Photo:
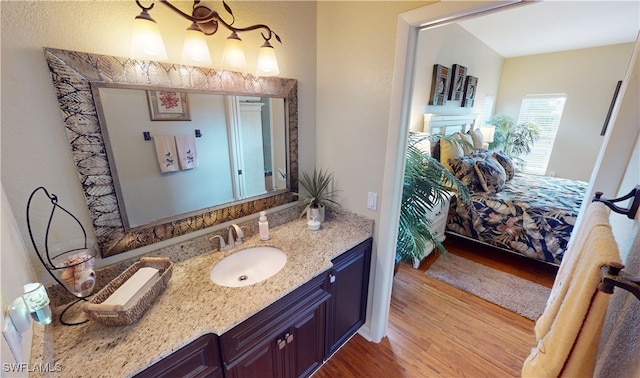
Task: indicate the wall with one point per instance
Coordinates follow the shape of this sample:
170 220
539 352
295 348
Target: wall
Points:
16 272
619 344
588 77
449 45
35 150
356 41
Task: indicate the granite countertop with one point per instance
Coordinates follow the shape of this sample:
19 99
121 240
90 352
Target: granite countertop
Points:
192 305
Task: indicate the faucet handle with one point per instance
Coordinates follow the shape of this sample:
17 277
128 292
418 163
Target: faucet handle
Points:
222 245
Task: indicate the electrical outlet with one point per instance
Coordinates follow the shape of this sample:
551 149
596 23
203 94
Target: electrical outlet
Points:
13 338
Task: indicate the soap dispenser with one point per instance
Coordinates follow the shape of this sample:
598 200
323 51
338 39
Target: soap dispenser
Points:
263 226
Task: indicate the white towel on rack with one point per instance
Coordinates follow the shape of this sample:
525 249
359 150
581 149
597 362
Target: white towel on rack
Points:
187 153
166 153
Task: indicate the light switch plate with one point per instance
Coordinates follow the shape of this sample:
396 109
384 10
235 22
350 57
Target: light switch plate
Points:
372 201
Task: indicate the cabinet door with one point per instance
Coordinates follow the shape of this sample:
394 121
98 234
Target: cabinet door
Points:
264 361
305 351
349 286
201 358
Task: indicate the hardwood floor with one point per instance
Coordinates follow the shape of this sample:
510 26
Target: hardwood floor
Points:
436 330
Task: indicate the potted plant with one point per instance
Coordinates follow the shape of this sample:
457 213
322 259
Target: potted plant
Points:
318 193
426 184
514 139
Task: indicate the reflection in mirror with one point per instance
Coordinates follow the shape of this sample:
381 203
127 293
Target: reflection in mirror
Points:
242 144
76 76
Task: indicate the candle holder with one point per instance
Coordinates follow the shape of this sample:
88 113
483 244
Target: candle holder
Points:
71 263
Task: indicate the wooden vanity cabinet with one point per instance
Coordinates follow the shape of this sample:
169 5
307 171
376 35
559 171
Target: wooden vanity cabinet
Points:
349 287
284 340
200 358
290 338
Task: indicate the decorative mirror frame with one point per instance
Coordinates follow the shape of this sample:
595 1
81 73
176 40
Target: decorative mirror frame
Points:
73 73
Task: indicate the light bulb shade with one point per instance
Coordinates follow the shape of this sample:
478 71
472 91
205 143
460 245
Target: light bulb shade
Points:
195 51
267 62
146 43
234 52
424 145
488 132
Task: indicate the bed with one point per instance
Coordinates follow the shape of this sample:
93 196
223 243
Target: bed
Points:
526 214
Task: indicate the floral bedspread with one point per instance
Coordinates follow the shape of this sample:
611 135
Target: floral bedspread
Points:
532 216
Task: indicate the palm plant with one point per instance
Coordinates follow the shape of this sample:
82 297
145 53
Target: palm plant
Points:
426 184
317 188
513 139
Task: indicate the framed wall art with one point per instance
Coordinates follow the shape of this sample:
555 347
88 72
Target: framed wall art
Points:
439 85
458 73
469 95
168 106
613 102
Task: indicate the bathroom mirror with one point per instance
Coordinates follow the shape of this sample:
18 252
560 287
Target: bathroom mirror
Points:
81 80
238 153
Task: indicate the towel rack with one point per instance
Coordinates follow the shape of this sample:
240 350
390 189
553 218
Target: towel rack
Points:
613 275
631 211
147 135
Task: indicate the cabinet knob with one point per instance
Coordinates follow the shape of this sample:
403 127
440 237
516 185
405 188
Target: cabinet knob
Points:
289 338
332 278
281 344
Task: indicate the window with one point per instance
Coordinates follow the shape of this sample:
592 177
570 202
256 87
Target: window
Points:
487 109
545 112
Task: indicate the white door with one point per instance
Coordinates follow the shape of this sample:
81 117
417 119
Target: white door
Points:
245 130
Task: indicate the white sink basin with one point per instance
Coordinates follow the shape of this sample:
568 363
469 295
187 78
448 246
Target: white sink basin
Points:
248 266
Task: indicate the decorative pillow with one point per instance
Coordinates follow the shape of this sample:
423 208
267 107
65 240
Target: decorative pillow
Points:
449 150
477 137
506 163
468 146
463 168
490 174
481 153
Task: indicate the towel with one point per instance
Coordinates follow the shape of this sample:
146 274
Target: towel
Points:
568 332
594 216
187 154
620 342
166 153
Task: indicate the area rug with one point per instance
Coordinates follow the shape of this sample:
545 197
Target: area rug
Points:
516 294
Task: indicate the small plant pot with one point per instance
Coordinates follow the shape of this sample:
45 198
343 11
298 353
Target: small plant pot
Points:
316 213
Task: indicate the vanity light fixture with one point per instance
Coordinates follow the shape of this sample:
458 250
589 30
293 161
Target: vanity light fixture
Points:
204 21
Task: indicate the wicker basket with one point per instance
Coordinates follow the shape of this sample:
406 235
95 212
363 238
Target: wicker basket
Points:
116 315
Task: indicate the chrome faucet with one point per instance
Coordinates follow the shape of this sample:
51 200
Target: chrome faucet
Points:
237 240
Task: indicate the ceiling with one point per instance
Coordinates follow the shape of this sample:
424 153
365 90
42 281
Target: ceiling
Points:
557 25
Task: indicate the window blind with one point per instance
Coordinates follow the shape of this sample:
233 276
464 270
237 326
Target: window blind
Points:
487 109
545 112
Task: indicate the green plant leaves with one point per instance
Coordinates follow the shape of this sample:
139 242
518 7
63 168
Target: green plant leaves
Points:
426 184
317 187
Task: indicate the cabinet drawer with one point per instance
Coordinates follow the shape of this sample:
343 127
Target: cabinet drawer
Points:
268 323
198 359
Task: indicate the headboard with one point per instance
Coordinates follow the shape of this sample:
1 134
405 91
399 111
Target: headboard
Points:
448 124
